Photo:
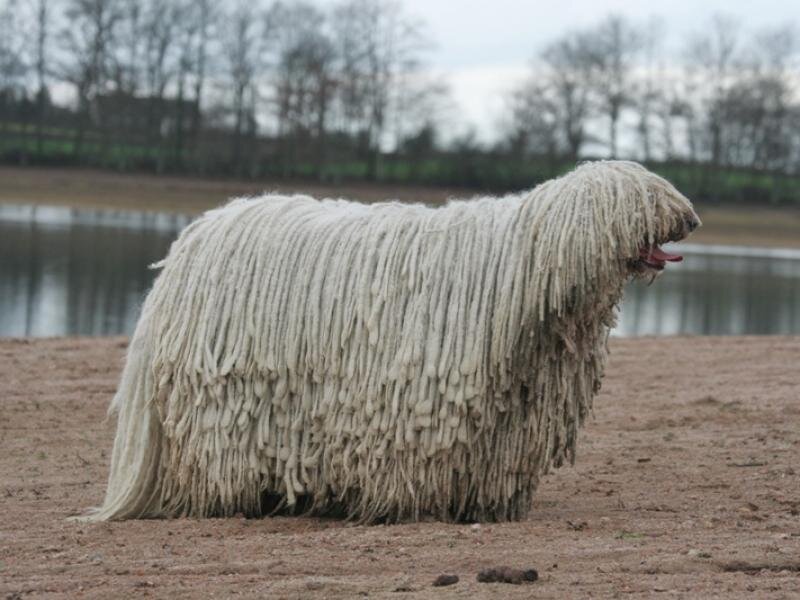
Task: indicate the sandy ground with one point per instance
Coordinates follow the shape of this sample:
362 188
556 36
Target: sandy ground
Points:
686 486
752 226
104 189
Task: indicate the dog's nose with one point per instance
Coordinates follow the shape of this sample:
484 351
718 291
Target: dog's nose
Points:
692 223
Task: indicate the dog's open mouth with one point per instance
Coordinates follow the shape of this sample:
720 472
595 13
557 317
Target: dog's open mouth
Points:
656 258
653 258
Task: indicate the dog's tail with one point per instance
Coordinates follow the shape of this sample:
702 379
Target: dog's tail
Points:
133 484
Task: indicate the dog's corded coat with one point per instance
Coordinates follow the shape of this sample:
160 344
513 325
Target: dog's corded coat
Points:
385 360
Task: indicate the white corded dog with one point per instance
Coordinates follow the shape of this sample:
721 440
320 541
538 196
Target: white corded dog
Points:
384 361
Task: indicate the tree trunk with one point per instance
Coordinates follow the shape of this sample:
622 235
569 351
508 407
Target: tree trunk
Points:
179 122
41 40
612 131
238 107
321 131
80 130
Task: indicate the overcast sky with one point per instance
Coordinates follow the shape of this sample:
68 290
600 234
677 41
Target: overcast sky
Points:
483 47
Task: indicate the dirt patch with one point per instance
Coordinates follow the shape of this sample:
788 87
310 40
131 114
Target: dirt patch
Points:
758 568
89 188
685 484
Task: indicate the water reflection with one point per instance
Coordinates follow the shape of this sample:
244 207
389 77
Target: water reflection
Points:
718 291
77 272
84 272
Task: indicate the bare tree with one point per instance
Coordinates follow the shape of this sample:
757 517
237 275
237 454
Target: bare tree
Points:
189 17
532 127
12 64
241 49
423 102
714 54
128 59
87 39
40 12
204 14
160 66
556 97
614 46
671 106
774 84
302 81
377 44
755 107
652 89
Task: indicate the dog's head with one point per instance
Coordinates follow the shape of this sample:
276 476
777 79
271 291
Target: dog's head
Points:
628 212
595 228
668 217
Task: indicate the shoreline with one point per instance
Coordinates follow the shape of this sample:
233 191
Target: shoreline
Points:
766 227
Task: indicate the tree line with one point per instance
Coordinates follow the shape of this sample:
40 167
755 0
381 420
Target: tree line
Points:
271 88
730 100
174 84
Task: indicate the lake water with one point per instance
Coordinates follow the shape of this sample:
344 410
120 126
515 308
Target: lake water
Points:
70 271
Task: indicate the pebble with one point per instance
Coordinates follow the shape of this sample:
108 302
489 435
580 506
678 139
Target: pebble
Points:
314 585
443 580
507 575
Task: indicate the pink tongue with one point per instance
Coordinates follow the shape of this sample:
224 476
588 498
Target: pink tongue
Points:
658 254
